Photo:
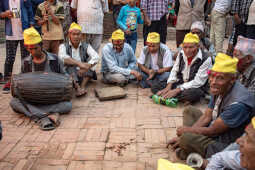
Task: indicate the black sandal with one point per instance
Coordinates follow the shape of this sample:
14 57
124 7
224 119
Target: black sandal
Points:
46 124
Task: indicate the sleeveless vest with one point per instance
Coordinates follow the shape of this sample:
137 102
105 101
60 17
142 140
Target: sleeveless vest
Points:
82 50
161 53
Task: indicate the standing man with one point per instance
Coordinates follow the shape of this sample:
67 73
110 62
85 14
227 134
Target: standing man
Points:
245 52
189 12
119 61
18 15
42 61
155 61
155 18
49 15
90 15
79 59
240 11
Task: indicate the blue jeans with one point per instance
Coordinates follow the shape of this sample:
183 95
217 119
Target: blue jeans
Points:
132 40
144 83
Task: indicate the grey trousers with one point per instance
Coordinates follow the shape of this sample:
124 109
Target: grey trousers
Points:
94 40
39 111
191 142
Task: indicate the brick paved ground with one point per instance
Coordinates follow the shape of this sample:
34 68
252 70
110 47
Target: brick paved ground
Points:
88 137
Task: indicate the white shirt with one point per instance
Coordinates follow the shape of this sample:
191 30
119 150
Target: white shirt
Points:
201 76
167 59
222 6
94 57
17 33
251 18
90 14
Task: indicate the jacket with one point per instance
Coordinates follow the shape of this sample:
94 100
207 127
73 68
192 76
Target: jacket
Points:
27 16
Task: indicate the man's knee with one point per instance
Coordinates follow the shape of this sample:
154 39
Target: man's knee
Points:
66 107
186 139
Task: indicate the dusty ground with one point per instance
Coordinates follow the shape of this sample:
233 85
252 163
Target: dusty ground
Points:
88 135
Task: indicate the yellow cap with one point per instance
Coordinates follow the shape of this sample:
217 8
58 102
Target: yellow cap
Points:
167 165
31 36
74 26
118 35
253 122
153 37
225 64
191 38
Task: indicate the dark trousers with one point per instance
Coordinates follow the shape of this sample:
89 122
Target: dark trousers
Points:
240 30
37 112
192 95
156 26
11 50
180 34
250 31
115 13
190 142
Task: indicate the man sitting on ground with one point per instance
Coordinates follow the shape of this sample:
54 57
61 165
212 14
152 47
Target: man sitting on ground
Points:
229 112
155 61
119 61
188 79
41 61
79 59
245 52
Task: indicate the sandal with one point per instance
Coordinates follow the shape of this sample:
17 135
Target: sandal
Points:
46 124
55 119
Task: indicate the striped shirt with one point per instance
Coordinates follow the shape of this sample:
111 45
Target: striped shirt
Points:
155 9
90 14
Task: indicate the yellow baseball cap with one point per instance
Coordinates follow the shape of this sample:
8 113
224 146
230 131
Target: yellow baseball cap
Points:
31 36
191 38
225 64
153 37
118 35
74 26
167 165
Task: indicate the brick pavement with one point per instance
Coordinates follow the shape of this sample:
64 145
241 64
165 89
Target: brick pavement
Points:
126 134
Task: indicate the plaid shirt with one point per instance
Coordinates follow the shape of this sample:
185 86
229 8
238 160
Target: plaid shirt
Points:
248 78
241 7
155 8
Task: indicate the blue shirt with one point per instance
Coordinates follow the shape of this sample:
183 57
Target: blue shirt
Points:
235 114
225 160
114 62
129 17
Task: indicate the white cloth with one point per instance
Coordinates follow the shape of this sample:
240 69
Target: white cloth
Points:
251 18
17 33
167 59
94 57
222 6
201 76
216 108
90 14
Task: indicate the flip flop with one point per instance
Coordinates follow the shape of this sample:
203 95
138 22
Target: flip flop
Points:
46 124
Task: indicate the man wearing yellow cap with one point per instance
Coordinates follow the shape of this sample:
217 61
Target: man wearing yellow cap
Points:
229 112
155 61
41 61
188 78
79 59
119 61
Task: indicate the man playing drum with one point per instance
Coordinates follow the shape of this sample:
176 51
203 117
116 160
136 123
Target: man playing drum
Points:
40 61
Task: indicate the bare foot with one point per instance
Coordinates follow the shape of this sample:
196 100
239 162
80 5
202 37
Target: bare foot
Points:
80 92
